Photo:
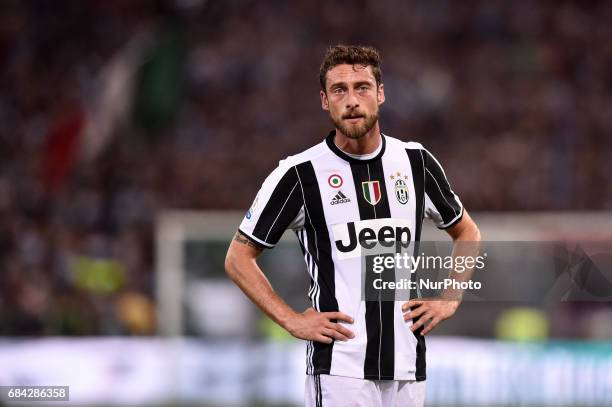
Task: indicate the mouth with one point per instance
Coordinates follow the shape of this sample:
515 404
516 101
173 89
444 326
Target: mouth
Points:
353 119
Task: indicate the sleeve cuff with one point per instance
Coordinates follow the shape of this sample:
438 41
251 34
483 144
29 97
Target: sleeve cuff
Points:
257 242
452 222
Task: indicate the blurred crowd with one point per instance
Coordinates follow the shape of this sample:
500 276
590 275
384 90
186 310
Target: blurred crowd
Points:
514 98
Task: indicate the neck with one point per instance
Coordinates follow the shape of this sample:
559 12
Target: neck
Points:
363 145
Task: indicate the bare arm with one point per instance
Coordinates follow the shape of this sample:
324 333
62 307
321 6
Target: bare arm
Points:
241 267
435 311
465 230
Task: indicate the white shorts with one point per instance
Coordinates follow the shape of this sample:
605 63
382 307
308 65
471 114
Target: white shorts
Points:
339 391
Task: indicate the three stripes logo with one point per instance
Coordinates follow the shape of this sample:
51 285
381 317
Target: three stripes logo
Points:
339 198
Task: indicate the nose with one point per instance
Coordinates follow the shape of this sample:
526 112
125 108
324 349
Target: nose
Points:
351 100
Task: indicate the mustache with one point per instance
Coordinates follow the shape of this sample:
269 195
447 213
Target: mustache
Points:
352 115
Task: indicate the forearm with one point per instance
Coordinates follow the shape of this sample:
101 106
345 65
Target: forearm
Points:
466 246
247 275
242 269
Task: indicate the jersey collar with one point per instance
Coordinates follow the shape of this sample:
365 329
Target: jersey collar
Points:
333 147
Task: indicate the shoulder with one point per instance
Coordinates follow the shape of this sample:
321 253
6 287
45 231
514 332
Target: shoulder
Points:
312 153
393 142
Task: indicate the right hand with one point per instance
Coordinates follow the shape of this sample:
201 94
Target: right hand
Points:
318 326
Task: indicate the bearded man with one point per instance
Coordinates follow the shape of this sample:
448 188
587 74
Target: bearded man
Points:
355 188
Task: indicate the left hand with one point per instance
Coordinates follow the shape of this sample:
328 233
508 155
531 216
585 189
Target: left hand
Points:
429 310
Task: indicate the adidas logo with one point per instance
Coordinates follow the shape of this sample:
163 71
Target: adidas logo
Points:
339 199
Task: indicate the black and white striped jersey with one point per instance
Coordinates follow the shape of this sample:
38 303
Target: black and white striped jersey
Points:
327 196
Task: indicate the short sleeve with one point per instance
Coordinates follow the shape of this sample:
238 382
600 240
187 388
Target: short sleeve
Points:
442 205
277 207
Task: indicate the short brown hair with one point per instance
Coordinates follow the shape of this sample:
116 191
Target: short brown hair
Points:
352 55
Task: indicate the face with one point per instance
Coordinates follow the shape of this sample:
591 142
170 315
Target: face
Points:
352 99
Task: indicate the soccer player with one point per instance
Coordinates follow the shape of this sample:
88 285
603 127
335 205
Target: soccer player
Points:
354 186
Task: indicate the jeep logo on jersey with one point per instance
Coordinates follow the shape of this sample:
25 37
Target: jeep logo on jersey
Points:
371 191
351 237
401 191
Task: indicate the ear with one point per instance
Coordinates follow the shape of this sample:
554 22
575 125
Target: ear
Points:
324 101
380 95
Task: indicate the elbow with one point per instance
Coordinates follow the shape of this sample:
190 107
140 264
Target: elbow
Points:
471 233
230 265
470 230
476 234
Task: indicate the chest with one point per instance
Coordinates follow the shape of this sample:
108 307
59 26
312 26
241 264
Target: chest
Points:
379 189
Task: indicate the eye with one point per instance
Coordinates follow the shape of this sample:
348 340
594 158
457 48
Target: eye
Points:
338 91
363 88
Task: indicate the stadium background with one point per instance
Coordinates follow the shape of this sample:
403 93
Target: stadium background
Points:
119 118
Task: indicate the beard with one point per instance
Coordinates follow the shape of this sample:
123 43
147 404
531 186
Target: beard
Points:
357 130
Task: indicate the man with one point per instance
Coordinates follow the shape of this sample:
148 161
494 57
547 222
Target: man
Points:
359 353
